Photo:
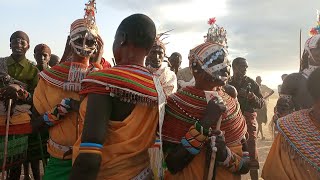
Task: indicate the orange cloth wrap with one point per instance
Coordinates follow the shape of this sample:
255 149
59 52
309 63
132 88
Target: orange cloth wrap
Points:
125 151
45 97
196 168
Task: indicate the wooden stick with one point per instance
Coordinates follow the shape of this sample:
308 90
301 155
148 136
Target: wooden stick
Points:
300 46
213 155
6 140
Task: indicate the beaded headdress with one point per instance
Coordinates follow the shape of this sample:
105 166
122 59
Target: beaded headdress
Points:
214 49
88 22
316 30
85 28
313 41
159 40
206 55
216 34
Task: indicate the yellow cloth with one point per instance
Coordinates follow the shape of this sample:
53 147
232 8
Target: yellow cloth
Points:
45 97
22 118
195 170
279 164
125 151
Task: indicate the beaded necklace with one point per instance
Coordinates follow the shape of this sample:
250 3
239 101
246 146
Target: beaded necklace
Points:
188 106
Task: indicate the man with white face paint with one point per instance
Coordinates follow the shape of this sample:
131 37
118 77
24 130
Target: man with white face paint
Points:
56 98
190 122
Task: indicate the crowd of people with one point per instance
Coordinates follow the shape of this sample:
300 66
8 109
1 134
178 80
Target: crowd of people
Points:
145 117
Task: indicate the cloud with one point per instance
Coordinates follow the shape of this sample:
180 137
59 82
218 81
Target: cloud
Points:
137 5
269 30
264 32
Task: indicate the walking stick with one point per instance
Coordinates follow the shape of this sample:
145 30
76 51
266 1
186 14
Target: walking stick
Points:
300 57
6 140
210 174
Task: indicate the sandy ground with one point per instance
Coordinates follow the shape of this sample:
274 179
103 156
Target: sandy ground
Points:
264 145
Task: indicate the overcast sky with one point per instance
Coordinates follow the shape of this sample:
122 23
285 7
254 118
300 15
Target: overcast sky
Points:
266 33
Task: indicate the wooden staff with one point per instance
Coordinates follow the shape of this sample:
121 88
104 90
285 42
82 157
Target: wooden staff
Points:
300 57
6 140
213 155
300 46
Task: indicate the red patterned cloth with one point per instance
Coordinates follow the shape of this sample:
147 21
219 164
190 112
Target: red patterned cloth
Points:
65 75
16 129
131 83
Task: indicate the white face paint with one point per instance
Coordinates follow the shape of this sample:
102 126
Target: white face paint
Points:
219 71
84 43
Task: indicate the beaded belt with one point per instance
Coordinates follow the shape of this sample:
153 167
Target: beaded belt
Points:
59 146
147 172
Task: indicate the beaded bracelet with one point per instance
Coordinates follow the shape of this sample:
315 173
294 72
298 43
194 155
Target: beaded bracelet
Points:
233 162
64 107
197 135
92 148
51 117
47 120
245 157
193 141
189 147
201 129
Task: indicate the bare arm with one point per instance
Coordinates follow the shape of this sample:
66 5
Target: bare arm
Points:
256 99
41 122
270 94
99 107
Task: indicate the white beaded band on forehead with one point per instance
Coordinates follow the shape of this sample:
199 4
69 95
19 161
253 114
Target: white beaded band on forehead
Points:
211 70
200 53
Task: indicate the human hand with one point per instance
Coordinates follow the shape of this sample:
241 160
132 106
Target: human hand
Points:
86 167
218 144
215 108
250 95
12 91
243 93
100 49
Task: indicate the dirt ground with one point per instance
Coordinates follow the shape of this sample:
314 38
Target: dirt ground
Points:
264 145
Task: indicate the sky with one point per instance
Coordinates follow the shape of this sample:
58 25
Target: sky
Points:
266 33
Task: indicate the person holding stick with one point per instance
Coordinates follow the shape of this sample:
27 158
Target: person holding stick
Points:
19 78
56 98
191 127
